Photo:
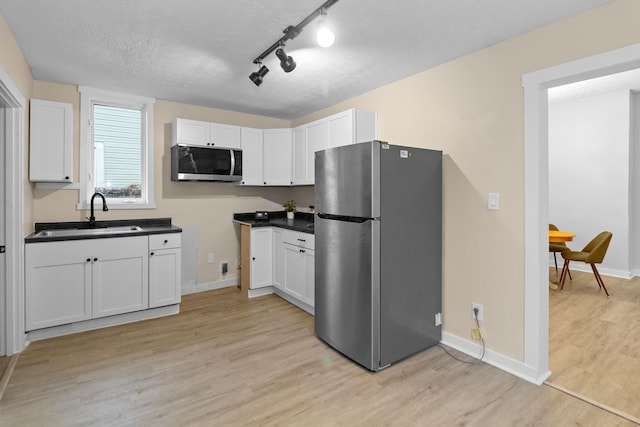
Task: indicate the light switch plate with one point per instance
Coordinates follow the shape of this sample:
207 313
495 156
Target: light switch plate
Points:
493 201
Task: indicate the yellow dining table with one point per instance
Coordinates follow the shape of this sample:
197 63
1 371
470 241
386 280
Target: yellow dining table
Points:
556 236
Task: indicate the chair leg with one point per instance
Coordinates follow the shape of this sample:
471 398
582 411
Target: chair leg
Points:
599 279
555 260
563 275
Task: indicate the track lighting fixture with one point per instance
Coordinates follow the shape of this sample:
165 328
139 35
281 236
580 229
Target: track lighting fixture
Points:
325 39
286 62
257 76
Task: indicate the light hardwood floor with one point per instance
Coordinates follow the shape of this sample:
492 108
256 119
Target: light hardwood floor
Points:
229 361
594 341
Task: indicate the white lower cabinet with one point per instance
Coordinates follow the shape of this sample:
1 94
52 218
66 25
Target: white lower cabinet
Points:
165 259
294 265
120 275
261 258
76 280
57 283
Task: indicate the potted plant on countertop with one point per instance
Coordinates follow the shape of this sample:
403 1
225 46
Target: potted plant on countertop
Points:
290 208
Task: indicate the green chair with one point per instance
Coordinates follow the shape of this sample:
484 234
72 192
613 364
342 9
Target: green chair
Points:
592 254
558 247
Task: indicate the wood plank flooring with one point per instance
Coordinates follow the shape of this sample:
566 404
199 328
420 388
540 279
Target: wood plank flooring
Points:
229 361
594 341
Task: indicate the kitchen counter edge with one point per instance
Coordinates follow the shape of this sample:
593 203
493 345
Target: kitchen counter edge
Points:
149 226
300 222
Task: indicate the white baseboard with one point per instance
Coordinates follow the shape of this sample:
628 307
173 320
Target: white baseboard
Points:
604 271
210 286
102 322
496 359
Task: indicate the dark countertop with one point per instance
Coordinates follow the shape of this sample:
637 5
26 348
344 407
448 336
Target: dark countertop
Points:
303 221
148 226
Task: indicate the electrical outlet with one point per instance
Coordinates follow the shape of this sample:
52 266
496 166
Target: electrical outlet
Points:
476 334
210 258
224 267
475 305
438 319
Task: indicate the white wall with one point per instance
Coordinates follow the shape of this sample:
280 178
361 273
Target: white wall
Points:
589 173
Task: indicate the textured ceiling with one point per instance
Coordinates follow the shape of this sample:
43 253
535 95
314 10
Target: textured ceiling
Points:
201 51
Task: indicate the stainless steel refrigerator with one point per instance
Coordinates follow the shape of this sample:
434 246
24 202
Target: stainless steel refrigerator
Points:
378 237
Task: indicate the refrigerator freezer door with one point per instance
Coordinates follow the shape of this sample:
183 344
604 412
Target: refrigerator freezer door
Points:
343 181
347 288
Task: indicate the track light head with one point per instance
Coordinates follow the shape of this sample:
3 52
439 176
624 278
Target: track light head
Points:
286 62
256 77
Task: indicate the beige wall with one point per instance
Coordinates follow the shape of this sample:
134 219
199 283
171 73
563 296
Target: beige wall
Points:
471 108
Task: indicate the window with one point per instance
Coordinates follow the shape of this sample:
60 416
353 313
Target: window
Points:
116 149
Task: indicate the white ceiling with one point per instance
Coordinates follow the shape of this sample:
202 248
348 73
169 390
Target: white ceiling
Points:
201 51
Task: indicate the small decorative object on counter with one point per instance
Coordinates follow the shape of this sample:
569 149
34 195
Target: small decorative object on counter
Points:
290 208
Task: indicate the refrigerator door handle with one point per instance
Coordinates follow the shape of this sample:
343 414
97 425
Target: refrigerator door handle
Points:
357 219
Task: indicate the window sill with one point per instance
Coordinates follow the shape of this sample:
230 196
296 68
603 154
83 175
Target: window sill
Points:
83 206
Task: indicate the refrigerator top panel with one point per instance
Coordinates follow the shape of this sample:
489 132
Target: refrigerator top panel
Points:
347 180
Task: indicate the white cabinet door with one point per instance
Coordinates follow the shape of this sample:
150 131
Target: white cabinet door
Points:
299 155
261 258
351 127
120 275
309 296
295 276
252 162
57 284
317 140
164 277
277 156
225 135
51 142
278 258
191 132
165 261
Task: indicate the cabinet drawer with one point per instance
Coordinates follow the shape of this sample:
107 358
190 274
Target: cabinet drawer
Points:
164 241
304 240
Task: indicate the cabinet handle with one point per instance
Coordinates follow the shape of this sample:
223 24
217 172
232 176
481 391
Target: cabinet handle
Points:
151 253
66 177
254 258
265 183
301 240
95 259
301 251
88 259
166 241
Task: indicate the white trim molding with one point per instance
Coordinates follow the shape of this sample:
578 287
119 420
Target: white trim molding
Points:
13 337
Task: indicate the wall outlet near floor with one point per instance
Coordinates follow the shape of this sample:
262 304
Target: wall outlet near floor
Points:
438 319
224 267
475 305
210 258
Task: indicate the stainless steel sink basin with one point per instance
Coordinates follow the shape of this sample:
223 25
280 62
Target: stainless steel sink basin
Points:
88 231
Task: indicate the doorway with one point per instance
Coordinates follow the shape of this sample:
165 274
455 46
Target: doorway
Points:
536 173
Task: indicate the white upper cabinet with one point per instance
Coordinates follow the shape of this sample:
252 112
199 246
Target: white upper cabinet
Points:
51 142
351 127
277 146
195 132
252 162
280 156
317 140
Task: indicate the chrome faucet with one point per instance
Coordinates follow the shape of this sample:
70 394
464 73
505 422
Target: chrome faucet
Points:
92 218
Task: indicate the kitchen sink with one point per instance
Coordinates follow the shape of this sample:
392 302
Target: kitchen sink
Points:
62 232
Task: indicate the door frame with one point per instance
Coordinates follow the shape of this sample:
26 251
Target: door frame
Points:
12 106
536 190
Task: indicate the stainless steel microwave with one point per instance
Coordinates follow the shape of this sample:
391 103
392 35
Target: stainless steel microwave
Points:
199 163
